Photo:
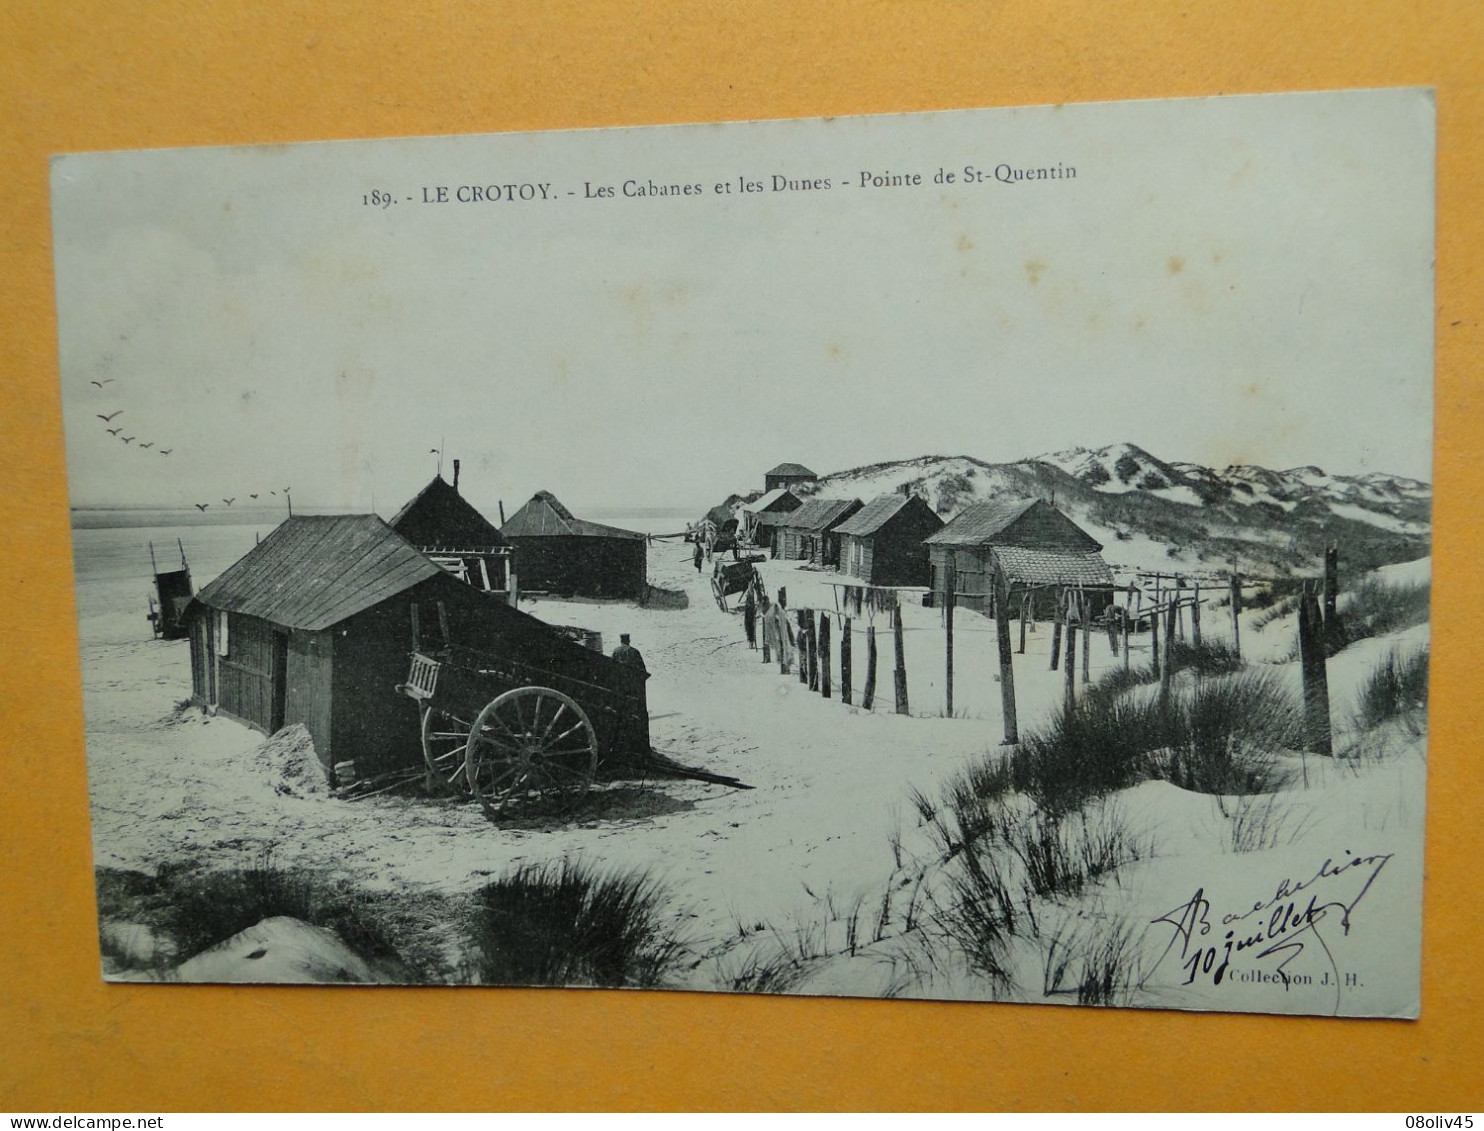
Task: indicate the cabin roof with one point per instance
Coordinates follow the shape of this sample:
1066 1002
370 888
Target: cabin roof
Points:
991 522
792 469
875 514
1030 565
439 515
820 514
545 517
768 499
314 571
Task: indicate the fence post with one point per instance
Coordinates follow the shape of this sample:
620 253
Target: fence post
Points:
1154 614
1123 622
1084 611
948 584
1025 600
1316 683
1007 669
1167 669
900 675
1333 641
868 694
824 655
766 624
1070 667
1056 630
845 660
1195 617
1236 602
780 614
805 658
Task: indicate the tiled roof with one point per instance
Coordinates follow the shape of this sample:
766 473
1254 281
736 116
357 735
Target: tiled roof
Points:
317 570
1026 565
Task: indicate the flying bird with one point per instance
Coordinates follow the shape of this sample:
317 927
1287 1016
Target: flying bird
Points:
148 445
109 418
202 507
230 501
252 496
272 492
166 451
127 439
114 431
100 384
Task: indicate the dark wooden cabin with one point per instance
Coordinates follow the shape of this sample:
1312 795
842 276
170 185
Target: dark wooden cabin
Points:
753 527
786 475
315 626
450 530
1037 546
565 556
882 543
807 534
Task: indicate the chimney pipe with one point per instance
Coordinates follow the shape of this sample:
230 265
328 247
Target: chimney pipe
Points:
455 475
502 512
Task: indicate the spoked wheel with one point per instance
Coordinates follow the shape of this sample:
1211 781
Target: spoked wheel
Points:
445 745
531 749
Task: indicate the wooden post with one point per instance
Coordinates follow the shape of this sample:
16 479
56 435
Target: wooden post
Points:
900 674
948 583
1316 683
1025 600
1084 607
1195 617
1332 639
1236 600
868 694
780 622
1154 615
824 655
1056 618
1123 622
845 661
1167 669
1007 669
767 632
1070 667
804 656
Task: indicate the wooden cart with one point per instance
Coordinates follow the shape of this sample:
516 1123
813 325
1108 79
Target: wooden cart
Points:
523 739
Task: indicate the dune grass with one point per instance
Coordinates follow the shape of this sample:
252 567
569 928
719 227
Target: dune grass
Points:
1376 607
565 924
1396 688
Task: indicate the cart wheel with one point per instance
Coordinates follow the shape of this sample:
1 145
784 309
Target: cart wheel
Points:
445 743
530 743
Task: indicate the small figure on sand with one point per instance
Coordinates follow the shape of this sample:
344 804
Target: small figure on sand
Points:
698 555
626 653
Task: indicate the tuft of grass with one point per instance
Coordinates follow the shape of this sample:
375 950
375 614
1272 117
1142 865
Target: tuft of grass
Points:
191 910
1208 658
1223 736
1396 688
566 925
1376 607
1102 745
1097 962
1256 823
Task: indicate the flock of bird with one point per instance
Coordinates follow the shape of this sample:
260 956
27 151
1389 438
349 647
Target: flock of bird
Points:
109 417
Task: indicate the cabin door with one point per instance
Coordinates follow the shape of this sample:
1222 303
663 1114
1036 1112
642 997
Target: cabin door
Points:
280 681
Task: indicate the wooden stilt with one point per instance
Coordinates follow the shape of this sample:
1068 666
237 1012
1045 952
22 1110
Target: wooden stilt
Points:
845 691
948 595
1007 668
1317 733
824 655
900 673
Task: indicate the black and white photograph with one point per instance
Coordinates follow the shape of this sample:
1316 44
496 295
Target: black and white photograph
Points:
980 555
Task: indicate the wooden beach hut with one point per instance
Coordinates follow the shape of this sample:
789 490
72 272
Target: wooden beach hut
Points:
315 626
882 543
807 534
446 527
1040 549
750 525
786 475
566 556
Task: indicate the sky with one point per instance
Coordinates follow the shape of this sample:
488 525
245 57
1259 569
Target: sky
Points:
1232 280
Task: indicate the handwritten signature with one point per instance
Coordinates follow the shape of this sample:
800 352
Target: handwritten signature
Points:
1279 928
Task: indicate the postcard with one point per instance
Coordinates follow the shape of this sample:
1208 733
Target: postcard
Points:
979 555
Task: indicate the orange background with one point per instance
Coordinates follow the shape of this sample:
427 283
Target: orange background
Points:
95 75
